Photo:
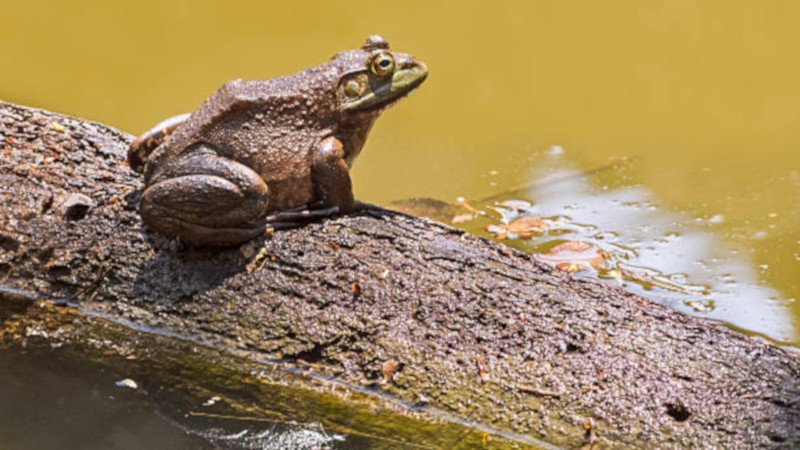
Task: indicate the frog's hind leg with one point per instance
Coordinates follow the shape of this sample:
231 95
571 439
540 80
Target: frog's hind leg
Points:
144 145
205 199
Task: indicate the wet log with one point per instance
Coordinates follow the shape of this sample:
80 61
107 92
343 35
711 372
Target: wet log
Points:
433 317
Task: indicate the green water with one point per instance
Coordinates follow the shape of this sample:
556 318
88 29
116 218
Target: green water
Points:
695 104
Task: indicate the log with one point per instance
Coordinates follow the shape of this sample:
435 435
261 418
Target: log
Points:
385 302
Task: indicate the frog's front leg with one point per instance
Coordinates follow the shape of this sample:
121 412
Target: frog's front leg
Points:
331 175
332 187
205 199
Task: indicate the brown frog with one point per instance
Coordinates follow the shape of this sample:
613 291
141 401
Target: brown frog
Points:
267 153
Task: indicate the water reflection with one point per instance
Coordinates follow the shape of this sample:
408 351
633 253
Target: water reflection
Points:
277 437
670 257
671 243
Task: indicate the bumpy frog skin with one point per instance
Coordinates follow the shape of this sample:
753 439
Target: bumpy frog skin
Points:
264 153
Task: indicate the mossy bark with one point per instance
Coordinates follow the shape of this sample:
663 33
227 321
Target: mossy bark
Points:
408 307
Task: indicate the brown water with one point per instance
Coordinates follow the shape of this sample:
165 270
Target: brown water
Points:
696 103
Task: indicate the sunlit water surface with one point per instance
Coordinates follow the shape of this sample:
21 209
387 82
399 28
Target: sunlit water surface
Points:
666 133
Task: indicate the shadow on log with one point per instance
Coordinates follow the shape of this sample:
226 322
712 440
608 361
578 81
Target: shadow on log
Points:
418 310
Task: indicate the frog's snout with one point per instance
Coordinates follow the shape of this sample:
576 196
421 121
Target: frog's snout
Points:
418 67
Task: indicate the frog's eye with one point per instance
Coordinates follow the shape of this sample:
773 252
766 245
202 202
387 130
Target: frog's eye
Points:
382 64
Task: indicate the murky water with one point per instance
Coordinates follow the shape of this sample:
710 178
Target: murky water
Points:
678 121
49 401
96 385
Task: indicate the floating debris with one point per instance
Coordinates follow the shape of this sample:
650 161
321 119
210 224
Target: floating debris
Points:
212 401
520 228
573 256
702 305
461 218
127 383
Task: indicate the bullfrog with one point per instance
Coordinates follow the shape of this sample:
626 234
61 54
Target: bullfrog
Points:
261 154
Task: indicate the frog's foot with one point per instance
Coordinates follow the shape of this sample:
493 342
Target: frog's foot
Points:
205 199
141 147
301 216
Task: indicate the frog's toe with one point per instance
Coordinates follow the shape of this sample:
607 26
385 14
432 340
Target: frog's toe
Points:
302 215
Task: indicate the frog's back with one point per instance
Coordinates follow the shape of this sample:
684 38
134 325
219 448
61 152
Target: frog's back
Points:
268 125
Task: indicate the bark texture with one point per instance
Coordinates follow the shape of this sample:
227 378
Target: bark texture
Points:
412 308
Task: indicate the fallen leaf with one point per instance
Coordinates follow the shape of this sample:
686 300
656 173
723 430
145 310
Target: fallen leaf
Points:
483 369
703 305
388 369
614 275
568 267
527 226
499 232
572 256
523 227
461 218
356 289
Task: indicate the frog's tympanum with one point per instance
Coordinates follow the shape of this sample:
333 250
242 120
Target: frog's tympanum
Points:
266 153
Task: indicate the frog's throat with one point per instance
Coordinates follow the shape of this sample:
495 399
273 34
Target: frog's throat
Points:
404 80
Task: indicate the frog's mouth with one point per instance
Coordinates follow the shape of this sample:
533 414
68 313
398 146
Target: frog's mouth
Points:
384 93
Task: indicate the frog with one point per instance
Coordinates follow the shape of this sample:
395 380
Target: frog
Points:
260 155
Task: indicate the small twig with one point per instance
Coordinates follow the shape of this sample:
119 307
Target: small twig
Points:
232 417
528 389
13 294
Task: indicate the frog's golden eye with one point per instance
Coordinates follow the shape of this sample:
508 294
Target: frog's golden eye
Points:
382 64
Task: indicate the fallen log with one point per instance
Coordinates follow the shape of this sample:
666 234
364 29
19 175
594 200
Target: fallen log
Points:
433 317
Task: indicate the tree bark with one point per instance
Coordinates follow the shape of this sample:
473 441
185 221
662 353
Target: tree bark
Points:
432 316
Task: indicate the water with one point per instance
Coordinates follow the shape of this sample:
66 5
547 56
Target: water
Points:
694 105
48 403
69 382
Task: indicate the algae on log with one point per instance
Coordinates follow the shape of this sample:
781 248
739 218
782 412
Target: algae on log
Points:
412 308
216 400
